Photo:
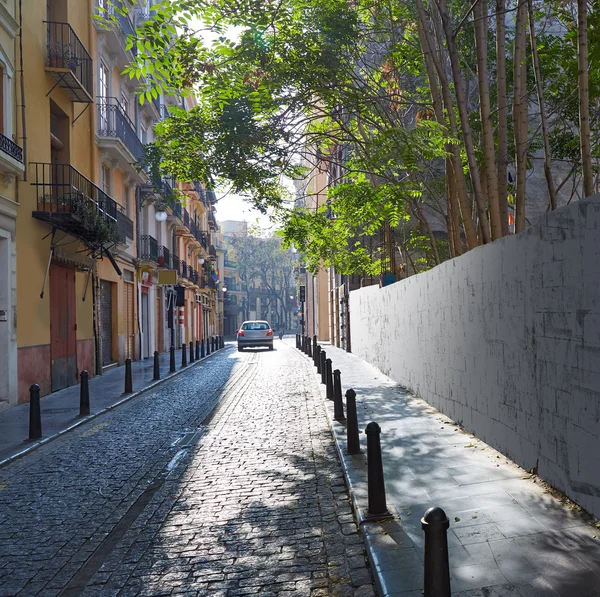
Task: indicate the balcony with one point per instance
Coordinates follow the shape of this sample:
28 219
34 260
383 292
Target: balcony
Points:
69 201
125 225
183 269
164 257
68 62
11 156
212 251
212 221
116 131
148 248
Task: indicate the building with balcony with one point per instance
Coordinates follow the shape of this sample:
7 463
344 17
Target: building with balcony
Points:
11 168
67 222
83 258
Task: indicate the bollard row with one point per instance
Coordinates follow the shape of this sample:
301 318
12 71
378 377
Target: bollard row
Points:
434 523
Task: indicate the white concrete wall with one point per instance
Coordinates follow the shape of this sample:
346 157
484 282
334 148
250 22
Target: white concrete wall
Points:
506 341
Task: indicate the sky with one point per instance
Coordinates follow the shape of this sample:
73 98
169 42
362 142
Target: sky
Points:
234 207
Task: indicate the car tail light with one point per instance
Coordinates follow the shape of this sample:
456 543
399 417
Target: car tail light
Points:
240 333
270 333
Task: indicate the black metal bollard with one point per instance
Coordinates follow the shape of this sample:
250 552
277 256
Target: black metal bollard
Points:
323 367
328 379
192 359
128 377
317 357
197 350
35 412
309 349
376 485
202 349
435 523
338 405
352 439
156 366
207 347
297 341
314 343
184 355
212 344
172 359
84 394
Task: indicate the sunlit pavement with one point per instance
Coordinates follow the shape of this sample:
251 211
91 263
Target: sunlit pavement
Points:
508 536
166 496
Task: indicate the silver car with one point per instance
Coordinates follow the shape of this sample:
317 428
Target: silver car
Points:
255 333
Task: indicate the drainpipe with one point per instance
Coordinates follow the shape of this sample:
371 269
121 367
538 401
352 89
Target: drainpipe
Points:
22 84
137 255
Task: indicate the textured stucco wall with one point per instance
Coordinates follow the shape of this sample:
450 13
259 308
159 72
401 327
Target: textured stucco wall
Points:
506 341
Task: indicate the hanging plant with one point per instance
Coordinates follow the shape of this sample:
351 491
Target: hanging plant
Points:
99 228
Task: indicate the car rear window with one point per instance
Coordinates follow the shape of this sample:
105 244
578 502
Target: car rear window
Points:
255 325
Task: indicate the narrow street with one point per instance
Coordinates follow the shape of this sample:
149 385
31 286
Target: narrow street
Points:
168 495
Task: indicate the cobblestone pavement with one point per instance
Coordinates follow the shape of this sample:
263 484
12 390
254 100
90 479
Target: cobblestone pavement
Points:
166 496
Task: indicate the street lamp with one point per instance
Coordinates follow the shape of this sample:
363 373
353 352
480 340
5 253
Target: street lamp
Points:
160 215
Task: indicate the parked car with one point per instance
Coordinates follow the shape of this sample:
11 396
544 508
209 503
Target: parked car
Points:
255 333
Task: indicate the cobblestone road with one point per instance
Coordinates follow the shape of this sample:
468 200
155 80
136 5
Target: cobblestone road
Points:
166 496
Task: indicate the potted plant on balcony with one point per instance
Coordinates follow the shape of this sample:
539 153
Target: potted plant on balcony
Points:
98 229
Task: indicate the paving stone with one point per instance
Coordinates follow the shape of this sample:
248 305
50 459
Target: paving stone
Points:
257 506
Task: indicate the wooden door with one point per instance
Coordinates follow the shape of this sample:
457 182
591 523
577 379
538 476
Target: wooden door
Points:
129 321
63 326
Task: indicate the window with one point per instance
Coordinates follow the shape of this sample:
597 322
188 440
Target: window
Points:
1 100
105 179
103 95
125 104
256 325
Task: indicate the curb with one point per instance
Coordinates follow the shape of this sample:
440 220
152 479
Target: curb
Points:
82 421
364 522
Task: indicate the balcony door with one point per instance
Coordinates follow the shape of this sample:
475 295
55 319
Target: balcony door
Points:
103 94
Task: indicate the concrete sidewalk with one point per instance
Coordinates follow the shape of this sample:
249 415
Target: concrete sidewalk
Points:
508 537
60 410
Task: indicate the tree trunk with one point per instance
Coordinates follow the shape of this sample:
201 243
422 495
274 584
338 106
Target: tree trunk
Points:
431 57
540 97
419 213
489 152
520 109
584 99
453 208
502 114
461 104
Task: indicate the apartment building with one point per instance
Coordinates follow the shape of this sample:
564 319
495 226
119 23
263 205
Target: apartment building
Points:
100 268
11 167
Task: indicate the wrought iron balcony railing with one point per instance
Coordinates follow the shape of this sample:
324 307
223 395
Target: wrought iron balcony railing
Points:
73 203
114 122
69 62
164 257
183 269
148 248
125 225
186 218
11 148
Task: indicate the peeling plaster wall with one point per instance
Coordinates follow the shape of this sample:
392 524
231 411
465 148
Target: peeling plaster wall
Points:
506 341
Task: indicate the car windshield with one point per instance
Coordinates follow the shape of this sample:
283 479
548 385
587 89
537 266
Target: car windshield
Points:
255 325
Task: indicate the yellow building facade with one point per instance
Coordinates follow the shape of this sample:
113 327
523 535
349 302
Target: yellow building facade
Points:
89 242
11 167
